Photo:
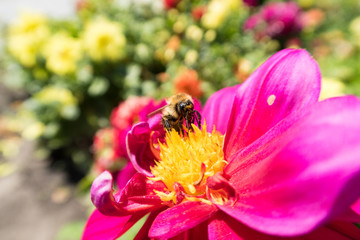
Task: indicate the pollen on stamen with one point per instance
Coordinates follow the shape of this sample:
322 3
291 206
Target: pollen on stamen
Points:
189 161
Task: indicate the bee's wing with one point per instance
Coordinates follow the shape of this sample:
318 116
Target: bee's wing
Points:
159 110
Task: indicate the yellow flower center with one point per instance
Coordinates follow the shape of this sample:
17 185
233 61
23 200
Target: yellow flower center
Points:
104 40
189 161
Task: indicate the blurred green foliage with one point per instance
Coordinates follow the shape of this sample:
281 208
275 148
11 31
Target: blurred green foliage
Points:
71 231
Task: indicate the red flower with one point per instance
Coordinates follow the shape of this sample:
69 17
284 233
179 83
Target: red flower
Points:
82 4
188 82
173 43
105 145
128 111
171 3
198 12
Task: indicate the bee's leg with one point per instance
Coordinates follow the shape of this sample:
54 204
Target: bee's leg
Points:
197 118
182 131
189 121
166 124
179 127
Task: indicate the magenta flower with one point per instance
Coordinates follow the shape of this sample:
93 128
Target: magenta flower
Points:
110 143
280 164
277 20
252 3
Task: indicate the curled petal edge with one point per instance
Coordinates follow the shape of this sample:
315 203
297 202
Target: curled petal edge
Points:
102 195
135 197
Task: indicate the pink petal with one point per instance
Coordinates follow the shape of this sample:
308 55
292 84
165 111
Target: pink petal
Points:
179 218
218 182
181 236
346 229
356 206
149 108
136 196
223 227
199 232
349 216
125 175
218 108
301 173
139 152
325 233
103 227
140 186
288 81
134 219
102 195
119 143
197 105
143 232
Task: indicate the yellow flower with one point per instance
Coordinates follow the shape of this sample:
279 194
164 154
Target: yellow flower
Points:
195 33
189 161
54 94
60 99
62 53
26 37
104 40
24 48
210 35
217 12
33 130
30 23
331 87
306 3
355 29
191 57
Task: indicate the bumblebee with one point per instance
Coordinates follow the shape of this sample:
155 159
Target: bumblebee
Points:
179 109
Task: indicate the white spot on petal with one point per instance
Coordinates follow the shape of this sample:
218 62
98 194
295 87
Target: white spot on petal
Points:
271 99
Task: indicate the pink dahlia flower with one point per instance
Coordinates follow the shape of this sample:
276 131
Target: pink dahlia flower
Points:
270 161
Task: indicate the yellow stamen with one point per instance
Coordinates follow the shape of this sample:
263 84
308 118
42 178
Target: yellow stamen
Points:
166 196
195 199
189 161
219 197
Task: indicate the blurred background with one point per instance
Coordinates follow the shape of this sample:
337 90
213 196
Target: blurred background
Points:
75 75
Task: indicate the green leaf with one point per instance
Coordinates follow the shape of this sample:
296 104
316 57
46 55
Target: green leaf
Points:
70 112
131 233
98 87
71 231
